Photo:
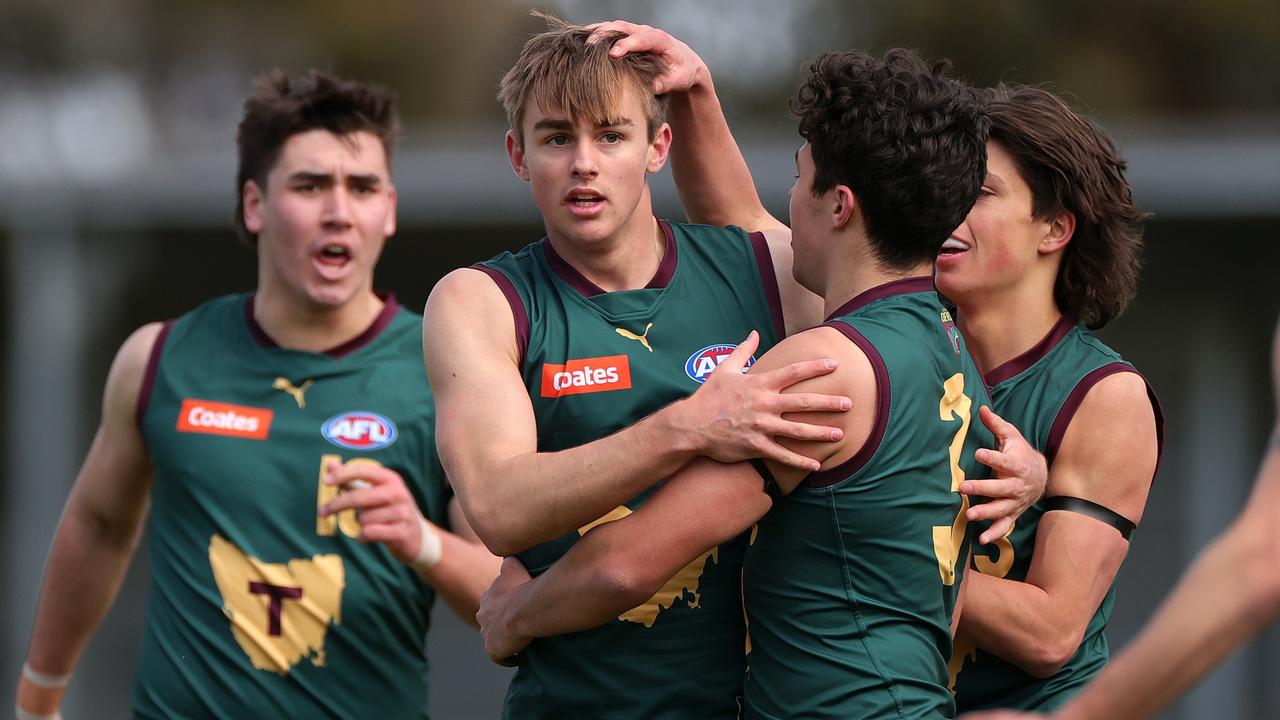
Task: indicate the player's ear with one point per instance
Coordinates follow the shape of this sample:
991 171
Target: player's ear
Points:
1060 230
515 153
659 148
846 206
251 199
389 225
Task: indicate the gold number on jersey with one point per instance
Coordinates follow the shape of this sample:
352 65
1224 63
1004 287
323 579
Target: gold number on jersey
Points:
948 540
345 520
1003 562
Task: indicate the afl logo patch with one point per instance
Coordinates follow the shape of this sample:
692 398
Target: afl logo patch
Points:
700 365
359 430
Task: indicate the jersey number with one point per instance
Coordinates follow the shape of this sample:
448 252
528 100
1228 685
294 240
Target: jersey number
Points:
345 520
948 540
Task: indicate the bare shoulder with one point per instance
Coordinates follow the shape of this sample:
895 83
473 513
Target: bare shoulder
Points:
854 378
463 289
467 309
129 370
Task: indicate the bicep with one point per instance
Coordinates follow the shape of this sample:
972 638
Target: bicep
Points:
115 479
1109 451
483 413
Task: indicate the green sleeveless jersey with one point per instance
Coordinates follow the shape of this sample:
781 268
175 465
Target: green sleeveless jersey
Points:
1039 392
851 580
257 607
595 362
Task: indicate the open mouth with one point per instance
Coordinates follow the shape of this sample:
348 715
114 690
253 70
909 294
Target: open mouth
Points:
584 198
334 255
953 246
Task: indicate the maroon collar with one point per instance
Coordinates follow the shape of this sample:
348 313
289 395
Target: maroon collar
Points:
1015 366
576 280
924 283
389 309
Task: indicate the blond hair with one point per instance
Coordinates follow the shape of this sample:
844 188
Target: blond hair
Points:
560 69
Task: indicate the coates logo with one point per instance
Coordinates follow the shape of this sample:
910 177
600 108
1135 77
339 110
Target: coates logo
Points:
701 364
217 418
359 430
589 375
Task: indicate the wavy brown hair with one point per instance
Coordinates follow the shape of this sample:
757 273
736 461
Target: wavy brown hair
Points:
282 105
1072 165
558 68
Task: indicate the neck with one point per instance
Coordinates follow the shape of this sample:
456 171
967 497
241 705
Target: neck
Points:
626 261
1003 324
297 324
859 272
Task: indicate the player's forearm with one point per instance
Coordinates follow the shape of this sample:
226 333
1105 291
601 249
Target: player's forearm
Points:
597 580
1020 623
1196 627
465 569
86 565
712 177
535 497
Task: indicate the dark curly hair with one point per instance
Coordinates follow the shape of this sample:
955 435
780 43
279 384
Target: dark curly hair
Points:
283 105
907 140
1072 165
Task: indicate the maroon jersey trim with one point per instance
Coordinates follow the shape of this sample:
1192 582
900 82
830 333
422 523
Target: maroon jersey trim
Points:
923 283
517 307
1015 366
1069 407
846 469
769 280
388 313
568 273
149 376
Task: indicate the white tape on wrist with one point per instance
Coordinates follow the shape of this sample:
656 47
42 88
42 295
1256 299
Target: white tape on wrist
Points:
44 680
430 550
20 714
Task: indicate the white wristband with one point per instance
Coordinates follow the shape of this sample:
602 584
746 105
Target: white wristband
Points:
20 714
430 550
44 680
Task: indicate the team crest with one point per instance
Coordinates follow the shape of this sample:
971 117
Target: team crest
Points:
359 430
949 326
701 364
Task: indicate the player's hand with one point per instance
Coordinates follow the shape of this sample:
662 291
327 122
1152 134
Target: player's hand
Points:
387 511
502 645
1021 475
737 416
684 68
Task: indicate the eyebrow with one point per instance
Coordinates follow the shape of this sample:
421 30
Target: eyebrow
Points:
324 178
560 124
996 180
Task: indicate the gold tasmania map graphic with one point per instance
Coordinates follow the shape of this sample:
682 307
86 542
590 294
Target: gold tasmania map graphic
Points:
685 582
279 613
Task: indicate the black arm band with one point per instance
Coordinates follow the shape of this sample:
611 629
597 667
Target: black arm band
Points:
770 483
1093 510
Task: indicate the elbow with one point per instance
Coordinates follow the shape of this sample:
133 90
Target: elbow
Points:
1052 653
625 584
494 528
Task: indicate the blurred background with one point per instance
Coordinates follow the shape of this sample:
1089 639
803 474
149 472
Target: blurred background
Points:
117 126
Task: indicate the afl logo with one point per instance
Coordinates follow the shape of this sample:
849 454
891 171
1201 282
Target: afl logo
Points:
700 365
359 430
